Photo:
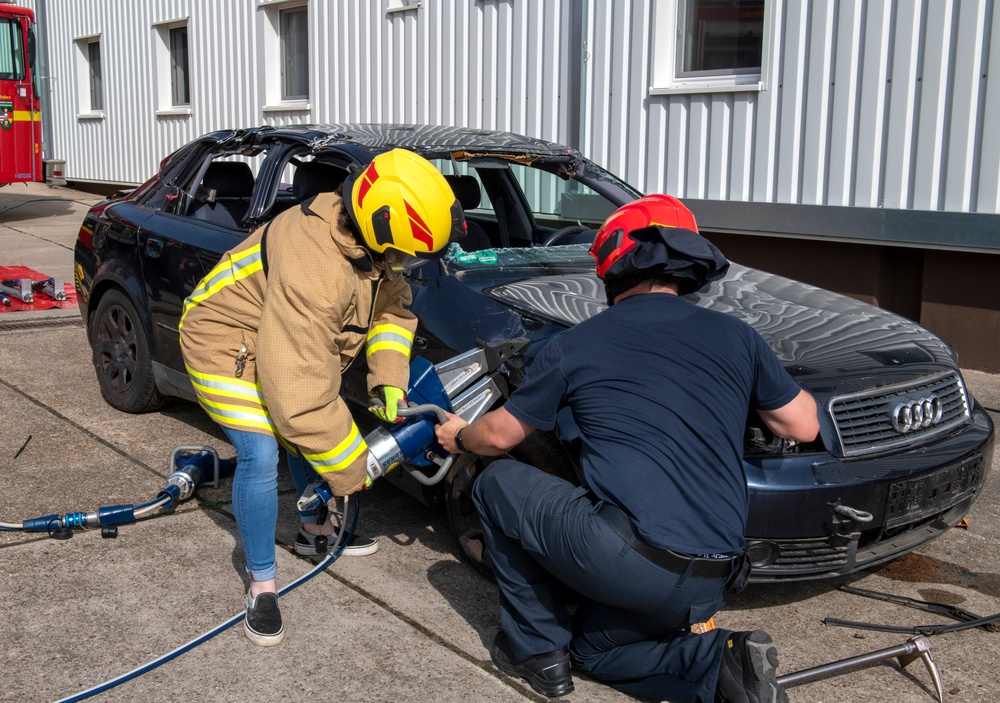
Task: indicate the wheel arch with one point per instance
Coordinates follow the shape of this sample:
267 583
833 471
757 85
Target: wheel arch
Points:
115 275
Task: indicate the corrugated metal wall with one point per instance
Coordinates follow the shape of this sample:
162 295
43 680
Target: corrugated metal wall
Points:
871 103
488 63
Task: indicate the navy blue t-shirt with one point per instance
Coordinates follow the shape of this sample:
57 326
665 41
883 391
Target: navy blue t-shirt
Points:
660 390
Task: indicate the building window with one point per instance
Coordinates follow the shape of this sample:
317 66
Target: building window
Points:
294 54
173 68
89 77
286 53
94 75
180 92
721 36
718 45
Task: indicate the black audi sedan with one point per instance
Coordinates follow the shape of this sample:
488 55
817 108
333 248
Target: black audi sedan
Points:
903 452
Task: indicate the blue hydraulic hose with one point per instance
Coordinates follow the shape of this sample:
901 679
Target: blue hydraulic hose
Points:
169 656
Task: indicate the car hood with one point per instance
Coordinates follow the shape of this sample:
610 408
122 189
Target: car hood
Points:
814 332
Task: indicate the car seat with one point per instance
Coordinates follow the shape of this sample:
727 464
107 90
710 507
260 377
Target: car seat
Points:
228 186
312 178
466 189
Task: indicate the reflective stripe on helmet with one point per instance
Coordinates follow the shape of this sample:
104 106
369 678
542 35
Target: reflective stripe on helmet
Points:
369 177
421 232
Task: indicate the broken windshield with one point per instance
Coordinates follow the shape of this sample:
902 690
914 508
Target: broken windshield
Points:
569 258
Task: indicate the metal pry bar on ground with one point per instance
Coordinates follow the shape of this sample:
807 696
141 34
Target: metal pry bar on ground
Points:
918 647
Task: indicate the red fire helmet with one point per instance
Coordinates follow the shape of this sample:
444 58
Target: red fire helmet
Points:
613 240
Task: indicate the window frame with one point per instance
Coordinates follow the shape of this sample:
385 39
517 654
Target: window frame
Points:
667 76
272 41
166 83
87 86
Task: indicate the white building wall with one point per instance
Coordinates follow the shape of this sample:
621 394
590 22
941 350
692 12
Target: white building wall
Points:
870 103
490 63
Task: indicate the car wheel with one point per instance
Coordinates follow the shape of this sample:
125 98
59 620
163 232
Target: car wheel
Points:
121 356
541 449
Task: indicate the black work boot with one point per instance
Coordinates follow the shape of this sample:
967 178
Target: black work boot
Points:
548 674
747 674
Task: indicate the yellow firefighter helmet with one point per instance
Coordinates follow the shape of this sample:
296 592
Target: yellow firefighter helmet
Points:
404 208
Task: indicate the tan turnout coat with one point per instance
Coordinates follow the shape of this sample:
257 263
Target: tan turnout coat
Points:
265 353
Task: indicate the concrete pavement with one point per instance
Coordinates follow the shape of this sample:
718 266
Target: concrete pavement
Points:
410 623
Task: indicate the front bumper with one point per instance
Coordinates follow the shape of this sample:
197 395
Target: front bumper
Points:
913 497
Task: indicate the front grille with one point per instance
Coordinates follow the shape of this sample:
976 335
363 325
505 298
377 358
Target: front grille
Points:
808 556
869 421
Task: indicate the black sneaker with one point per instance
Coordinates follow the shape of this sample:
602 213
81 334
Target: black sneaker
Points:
747 674
309 545
548 674
263 621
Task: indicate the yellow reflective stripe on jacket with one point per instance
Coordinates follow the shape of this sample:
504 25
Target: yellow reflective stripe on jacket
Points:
234 268
391 337
341 456
226 387
238 415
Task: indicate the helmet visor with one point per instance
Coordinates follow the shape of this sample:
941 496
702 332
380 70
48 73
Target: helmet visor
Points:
396 262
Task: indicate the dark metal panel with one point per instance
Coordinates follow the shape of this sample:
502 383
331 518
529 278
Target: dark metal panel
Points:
952 231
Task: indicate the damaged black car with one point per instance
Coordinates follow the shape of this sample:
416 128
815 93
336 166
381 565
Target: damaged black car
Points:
903 451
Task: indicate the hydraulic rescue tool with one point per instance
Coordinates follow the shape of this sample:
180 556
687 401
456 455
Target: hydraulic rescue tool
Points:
51 287
20 288
190 466
466 385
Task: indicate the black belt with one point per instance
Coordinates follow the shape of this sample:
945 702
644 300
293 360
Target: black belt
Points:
696 567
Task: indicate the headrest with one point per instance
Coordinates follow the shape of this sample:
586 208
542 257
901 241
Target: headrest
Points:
312 178
229 179
466 190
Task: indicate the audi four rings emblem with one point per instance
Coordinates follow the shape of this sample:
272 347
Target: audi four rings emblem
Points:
917 414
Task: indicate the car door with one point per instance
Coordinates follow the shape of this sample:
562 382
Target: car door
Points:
177 247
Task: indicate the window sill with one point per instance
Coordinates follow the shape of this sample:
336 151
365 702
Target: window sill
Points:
688 88
402 8
90 116
296 106
174 112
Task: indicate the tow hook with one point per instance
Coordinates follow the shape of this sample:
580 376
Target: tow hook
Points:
853 513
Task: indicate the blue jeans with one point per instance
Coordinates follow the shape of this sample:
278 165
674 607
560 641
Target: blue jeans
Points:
629 630
255 496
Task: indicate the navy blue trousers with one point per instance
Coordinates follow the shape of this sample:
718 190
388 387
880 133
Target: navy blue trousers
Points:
627 631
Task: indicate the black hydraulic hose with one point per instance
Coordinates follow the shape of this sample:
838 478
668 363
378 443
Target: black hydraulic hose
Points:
342 541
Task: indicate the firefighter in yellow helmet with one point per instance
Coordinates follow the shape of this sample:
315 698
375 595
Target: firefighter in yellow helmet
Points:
268 332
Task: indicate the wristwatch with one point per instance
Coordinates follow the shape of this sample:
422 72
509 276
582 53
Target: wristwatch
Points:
458 440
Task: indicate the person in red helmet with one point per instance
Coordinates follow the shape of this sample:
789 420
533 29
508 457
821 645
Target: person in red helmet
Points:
659 389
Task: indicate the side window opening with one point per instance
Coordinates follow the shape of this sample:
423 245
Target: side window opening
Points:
556 203
222 189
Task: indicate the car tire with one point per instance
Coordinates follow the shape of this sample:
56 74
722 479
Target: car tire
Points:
121 355
541 449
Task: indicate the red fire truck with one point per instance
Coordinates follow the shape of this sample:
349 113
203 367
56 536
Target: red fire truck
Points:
20 108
